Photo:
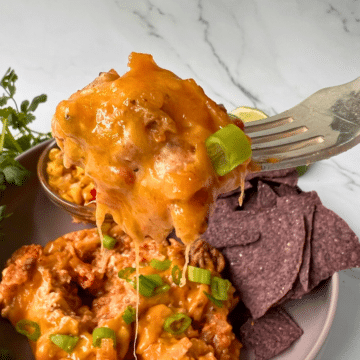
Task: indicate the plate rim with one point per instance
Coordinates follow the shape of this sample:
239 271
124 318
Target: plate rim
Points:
334 296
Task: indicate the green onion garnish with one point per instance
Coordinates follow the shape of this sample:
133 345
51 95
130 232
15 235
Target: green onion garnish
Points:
155 278
216 302
148 284
176 275
176 324
65 342
160 265
109 242
199 275
125 273
228 148
29 328
103 333
219 288
129 315
162 289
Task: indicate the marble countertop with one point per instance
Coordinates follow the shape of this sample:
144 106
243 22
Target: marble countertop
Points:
265 54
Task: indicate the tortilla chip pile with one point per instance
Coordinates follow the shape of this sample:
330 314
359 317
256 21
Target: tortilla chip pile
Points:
279 245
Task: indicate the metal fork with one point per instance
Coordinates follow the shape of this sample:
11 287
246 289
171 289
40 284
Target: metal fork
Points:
325 124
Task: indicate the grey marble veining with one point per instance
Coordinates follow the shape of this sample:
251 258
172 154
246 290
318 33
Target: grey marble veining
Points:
267 54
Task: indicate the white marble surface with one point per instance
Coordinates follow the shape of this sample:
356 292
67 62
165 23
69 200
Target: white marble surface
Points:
268 54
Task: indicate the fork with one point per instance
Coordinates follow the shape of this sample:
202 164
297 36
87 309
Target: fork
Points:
325 124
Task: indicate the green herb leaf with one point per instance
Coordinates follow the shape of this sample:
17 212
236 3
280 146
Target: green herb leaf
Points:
25 142
13 144
15 175
3 100
36 101
24 106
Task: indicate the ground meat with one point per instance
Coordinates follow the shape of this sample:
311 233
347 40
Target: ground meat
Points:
20 268
206 256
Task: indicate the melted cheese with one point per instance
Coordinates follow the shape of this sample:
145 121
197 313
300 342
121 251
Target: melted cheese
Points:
141 138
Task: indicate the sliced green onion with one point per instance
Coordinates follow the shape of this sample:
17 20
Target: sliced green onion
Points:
65 342
176 275
155 278
103 333
148 284
109 242
162 289
29 328
160 265
176 324
216 302
228 148
125 273
129 315
219 288
199 275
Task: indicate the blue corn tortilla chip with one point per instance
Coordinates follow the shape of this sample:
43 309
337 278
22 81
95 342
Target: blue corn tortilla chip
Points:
229 203
271 334
305 201
231 230
264 271
286 190
228 227
284 176
335 246
264 197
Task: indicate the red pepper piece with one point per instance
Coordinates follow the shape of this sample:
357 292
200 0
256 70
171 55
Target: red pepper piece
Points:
93 194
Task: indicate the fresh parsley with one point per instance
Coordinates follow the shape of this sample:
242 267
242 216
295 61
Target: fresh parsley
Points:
16 136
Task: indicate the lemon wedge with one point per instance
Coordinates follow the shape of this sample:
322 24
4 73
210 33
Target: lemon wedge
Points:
247 114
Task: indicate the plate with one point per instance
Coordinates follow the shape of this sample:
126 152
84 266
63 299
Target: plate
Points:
35 219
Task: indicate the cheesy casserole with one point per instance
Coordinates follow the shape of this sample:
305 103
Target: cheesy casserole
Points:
71 287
